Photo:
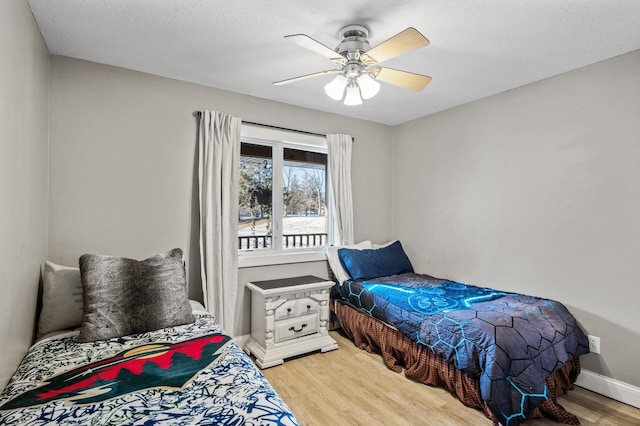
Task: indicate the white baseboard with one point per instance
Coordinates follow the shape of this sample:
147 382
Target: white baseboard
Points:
611 388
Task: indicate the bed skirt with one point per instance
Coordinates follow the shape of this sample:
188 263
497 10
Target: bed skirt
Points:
422 365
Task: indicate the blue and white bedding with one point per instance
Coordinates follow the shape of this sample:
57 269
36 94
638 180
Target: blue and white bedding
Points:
184 375
510 342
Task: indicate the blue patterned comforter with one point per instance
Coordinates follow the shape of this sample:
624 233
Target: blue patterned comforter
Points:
186 375
509 342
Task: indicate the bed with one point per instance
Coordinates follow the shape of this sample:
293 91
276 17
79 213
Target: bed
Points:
508 354
187 372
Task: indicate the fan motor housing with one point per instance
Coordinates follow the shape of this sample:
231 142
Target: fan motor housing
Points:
354 40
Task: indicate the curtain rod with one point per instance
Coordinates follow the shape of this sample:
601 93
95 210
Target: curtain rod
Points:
282 128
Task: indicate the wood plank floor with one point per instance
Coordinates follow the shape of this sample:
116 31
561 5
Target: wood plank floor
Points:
349 386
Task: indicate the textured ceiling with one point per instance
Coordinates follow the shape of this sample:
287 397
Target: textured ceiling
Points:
478 48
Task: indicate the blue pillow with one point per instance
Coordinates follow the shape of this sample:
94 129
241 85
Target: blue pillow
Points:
382 262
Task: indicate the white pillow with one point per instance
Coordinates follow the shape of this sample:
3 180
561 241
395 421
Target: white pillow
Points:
61 299
196 306
334 261
379 246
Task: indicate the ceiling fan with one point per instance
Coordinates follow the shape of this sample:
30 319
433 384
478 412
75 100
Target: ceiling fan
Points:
357 63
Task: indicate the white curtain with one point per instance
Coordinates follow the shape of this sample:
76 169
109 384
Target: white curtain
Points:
218 162
340 179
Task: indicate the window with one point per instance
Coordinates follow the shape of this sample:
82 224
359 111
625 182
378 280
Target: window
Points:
255 226
283 203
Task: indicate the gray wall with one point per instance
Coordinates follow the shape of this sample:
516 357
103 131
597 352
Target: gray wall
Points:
24 79
536 190
122 165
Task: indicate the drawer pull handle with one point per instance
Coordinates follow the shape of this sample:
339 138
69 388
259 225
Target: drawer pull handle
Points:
308 306
288 309
297 331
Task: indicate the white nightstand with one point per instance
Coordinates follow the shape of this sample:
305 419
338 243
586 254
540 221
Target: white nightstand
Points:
289 317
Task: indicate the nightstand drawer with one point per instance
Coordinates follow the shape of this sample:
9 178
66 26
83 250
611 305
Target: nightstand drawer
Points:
295 308
296 327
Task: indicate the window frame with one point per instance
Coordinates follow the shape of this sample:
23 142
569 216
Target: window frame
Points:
278 140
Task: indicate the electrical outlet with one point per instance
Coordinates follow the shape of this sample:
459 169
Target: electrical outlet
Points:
594 344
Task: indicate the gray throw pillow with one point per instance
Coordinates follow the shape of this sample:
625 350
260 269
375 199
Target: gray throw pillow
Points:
125 296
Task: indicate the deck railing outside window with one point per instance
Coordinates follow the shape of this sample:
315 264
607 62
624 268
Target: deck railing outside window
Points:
253 242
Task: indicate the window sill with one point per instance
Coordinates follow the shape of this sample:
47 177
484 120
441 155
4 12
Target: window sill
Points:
252 260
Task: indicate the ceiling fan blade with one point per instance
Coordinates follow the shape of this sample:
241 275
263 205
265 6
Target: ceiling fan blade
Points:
400 43
405 79
304 77
315 46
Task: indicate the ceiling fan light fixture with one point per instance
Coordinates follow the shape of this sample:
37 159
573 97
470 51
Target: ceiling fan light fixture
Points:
368 86
357 63
353 95
335 89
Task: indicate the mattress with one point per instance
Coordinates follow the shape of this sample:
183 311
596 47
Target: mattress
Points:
184 375
509 342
